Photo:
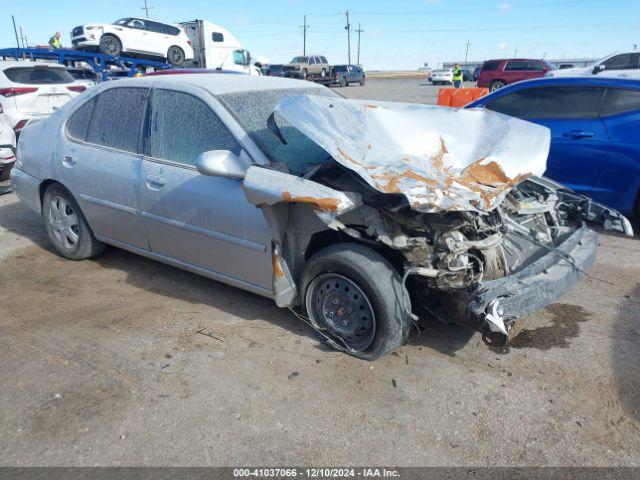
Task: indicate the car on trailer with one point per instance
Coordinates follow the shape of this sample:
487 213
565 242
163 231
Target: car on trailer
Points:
345 75
311 66
135 36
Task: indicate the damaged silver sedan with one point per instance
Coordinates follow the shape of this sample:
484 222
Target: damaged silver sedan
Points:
359 216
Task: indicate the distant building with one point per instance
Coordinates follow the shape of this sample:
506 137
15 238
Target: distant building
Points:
576 62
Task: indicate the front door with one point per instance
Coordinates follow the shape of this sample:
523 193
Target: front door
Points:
100 160
199 221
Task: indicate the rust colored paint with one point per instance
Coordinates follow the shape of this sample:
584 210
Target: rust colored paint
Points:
277 269
324 204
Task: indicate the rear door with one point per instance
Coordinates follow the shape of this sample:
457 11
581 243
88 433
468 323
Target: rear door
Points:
100 161
516 71
579 141
200 221
160 38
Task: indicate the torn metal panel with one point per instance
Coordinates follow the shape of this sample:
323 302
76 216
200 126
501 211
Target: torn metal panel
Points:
440 159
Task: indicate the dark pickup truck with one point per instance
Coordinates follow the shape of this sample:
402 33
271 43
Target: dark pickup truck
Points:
343 75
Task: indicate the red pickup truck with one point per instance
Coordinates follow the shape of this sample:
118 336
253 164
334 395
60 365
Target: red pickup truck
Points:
496 74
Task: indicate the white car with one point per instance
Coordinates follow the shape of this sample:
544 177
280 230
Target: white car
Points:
442 76
7 147
32 91
620 64
135 35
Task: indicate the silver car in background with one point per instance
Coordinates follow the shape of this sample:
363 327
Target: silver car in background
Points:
289 191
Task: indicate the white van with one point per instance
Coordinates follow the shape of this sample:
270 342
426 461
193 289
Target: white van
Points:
216 47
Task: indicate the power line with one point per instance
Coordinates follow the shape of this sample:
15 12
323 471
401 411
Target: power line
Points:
304 29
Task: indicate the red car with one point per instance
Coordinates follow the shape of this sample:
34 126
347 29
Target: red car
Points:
496 74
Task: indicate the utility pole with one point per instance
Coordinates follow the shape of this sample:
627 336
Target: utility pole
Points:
466 53
304 29
15 30
348 29
146 8
515 54
359 30
21 37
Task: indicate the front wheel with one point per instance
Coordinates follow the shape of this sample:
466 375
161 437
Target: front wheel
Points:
66 226
343 82
110 45
175 56
355 297
304 73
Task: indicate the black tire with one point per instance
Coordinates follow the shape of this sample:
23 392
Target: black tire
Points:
86 245
362 82
304 73
5 172
376 278
496 85
323 73
110 45
175 56
343 82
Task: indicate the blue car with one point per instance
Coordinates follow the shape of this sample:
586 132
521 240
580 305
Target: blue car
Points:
595 132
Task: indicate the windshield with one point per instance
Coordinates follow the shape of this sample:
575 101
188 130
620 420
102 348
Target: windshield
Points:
122 21
253 108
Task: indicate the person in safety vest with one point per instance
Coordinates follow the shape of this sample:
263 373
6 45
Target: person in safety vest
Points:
457 76
54 42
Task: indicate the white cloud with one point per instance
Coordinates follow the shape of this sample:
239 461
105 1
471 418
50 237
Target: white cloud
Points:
505 8
503 46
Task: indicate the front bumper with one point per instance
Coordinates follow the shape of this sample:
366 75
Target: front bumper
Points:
537 285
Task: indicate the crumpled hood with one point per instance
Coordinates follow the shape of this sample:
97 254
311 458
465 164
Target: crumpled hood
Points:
439 158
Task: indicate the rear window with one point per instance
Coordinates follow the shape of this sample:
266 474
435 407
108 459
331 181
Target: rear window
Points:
490 66
39 75
340 68
276 68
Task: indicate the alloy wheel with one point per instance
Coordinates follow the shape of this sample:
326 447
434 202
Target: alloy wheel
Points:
64 223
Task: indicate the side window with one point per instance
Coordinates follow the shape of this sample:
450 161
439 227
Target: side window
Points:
620 100
171 30
312 60
626 61
217 37
490 66
535 66
183 126
117 118
156 27
78 123
515 66
517 104
137 23
324 60
553 102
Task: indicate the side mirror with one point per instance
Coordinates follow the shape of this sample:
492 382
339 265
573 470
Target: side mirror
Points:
221 163
597 69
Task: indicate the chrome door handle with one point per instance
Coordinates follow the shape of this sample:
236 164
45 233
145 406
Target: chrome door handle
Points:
69 161
155 182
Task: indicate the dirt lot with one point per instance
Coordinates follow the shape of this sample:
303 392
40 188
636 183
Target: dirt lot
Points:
123 360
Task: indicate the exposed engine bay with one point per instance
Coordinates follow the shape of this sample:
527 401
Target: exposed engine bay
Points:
474 243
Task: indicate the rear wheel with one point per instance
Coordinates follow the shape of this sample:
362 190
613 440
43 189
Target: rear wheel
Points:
362 82
175 56
66 226
304 73
496 85
110 45
355 297
323 73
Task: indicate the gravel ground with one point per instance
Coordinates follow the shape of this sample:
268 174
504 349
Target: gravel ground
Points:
123 360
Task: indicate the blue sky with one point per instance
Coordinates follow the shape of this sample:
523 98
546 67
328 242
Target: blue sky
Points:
398 34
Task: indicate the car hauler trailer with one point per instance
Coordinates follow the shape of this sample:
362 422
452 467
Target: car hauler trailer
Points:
99 62
215 47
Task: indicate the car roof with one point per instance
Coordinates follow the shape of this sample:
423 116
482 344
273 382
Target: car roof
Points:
559 81
219 84
516 60
12 64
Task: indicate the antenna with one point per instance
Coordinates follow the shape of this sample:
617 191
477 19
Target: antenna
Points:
304 29
146 8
